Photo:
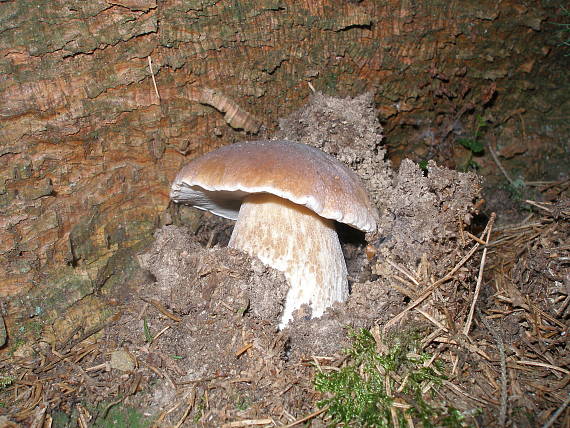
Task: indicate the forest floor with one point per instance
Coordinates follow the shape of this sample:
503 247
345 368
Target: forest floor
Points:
454 319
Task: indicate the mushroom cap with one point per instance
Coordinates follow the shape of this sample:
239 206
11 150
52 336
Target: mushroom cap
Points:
220 180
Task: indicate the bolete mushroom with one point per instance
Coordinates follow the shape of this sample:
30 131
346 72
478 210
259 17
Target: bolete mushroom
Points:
285 197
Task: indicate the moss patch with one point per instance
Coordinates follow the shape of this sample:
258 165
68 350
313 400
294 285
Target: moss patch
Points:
385 388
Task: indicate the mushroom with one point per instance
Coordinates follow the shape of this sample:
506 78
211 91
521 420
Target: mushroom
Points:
285 197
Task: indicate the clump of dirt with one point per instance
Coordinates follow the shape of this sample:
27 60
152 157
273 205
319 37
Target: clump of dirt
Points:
190 277
348 129
423 211
223 285
217 310
211 314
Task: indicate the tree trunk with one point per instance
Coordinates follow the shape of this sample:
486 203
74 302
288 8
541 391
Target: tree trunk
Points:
90 144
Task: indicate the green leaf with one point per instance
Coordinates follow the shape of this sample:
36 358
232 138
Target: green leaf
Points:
481 122
477 147
471 144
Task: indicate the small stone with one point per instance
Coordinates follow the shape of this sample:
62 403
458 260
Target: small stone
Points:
122 360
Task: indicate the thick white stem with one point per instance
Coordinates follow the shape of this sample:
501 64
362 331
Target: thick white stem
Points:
296 241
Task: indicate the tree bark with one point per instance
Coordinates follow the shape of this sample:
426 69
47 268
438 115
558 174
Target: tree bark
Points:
89 145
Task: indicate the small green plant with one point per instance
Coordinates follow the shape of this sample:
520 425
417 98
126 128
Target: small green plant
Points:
384 389
242 403
200 408
6 381
146 330
516 189
519 192
423 164
474 144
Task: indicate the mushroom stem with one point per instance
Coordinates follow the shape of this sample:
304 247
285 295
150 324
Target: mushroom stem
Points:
294 240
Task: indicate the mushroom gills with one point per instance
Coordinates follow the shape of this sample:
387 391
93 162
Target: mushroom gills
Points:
298 242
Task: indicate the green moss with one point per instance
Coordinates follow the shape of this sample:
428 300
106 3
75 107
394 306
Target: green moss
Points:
16 343
66 286
106 415
121 416
34 327
27 332
330 81
60 419
357 394
6 381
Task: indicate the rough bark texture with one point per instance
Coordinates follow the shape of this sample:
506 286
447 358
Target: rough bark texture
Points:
88 147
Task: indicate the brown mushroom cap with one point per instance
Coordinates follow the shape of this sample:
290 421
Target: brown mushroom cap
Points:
218 181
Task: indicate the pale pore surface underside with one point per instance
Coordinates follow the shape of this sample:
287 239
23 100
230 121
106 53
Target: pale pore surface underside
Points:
296 241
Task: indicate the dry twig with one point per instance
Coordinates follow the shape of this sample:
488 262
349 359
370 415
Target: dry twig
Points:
503 170
308 417
480 277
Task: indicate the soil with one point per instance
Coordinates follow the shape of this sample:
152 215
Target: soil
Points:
197 343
